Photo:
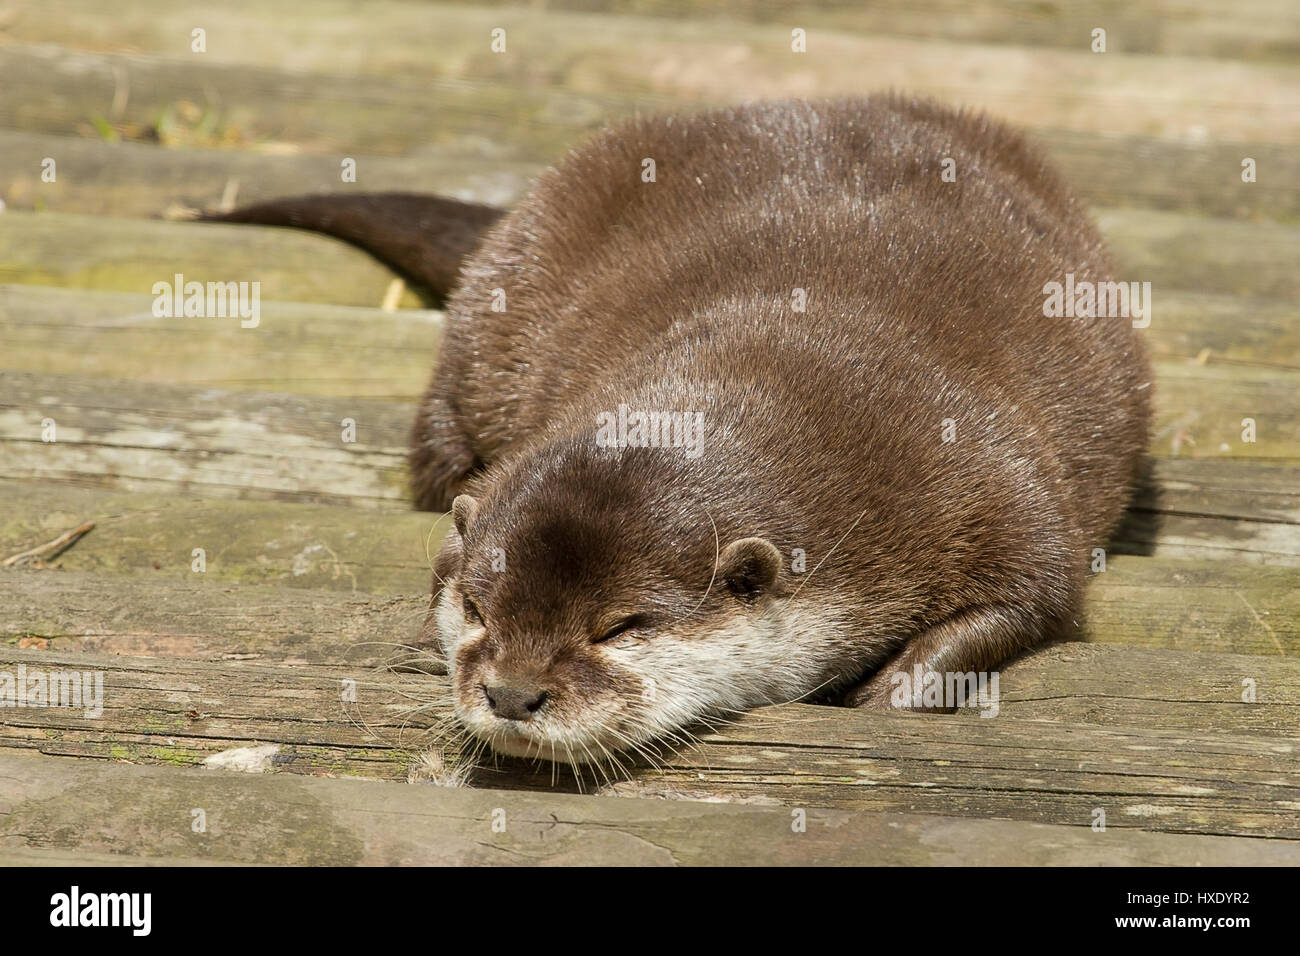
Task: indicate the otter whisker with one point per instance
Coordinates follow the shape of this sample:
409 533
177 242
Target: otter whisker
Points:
717 556
826 557
429 537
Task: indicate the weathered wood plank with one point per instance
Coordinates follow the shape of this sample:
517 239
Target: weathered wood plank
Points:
1157 607
1214 583
327 33
316 349
137 179
44 855
1202 511
131 255
189 102
1243 510
245 542
1234 329
1195 606
1224 488
1171 251
1197 509
144 180
1176 28
229 443
1201 411
309 349
257 446
207 618
561 67
109 813
181 712
1142 602
239 444
1037 770
1124 686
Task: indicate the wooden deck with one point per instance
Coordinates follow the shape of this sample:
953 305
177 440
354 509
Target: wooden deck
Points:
222 689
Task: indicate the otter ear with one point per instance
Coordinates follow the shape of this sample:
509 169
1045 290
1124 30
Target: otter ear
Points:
749 566
463 512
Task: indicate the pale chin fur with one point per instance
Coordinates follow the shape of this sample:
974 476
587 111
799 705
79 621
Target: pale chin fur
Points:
786 654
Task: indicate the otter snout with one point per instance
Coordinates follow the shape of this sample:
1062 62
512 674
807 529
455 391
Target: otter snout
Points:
514 703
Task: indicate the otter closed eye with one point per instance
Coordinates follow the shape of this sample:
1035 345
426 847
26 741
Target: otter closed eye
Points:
472 614
630 623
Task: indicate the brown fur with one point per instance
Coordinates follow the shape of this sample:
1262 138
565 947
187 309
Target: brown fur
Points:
924 303
822 428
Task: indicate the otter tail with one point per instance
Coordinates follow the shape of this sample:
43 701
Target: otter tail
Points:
425 238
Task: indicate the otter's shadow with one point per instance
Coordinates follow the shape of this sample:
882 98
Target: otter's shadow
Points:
1140 527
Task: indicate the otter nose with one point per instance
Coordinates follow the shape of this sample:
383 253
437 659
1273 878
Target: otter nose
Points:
514 703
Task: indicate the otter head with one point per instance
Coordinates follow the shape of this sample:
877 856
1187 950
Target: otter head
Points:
587 610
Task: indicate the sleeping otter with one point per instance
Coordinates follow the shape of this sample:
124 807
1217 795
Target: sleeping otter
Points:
752 406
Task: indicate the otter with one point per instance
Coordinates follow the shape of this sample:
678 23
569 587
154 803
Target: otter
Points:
752 406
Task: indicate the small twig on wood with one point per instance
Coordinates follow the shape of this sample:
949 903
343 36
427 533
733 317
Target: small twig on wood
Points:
393 295
50 550
228 195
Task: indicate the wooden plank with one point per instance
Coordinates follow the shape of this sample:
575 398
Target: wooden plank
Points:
1204 513
190 102
235 444
1159 606
306 348
1200 510
44 855
1123 686
1142 602
1171 251
327 33
1235 329
561 68
1201 411
242 444
1214 583
159 710
316 349
147 181
106 810
232 444
289 544
1195 606
131 255
181 713
1248 490
1225 510
1176 28
1032 770
1194 176
138 179
211 619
